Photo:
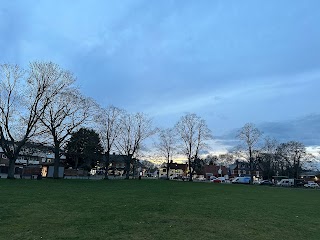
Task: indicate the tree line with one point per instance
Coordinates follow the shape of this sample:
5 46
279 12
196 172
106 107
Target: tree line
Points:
43 104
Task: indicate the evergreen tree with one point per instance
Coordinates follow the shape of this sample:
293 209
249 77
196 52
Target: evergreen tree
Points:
84 149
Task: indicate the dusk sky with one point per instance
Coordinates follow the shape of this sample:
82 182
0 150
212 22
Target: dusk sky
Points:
231 62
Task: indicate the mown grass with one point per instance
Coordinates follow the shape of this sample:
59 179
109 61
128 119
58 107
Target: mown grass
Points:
155 209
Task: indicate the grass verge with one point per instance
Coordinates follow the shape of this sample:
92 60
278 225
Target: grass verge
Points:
154 209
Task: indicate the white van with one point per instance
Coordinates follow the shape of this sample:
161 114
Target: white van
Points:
286 183
243 180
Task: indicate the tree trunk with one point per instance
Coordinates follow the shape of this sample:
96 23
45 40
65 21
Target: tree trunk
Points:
56 161
168 168
107 155
76 162
128 161
251 165
11 169
133 168
298 168
251 171
190 172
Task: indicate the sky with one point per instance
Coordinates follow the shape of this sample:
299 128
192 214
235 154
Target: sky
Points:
230 62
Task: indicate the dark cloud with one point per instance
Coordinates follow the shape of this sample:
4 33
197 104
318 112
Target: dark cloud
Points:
304 129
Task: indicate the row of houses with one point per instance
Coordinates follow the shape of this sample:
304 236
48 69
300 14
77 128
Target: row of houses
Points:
38 157
33 159
239 168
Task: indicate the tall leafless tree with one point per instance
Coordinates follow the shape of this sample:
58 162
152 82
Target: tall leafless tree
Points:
135 129
167 145
226 159
292 154
67 113
250 136
109 126
24 96
193 132
211 159
268 156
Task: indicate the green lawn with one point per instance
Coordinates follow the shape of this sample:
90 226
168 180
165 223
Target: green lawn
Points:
155 209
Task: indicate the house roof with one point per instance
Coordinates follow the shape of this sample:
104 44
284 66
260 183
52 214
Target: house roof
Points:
310 173
182 166
172 165
118 158
241 165
214 169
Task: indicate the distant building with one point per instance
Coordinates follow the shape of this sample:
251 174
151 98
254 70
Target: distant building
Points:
214 170
311 176
176 170
241 169
32 154
117 165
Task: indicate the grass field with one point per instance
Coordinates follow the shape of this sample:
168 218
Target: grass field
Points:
155 209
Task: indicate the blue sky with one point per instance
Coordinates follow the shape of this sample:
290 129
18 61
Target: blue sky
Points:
231 62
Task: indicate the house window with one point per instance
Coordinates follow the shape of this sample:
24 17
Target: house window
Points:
244 171
164 170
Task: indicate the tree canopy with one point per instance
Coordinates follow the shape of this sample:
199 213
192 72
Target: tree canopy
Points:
84 149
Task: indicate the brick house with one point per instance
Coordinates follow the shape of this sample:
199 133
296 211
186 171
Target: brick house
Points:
214 170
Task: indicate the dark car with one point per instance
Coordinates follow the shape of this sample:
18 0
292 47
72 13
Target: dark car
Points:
300 182
266 182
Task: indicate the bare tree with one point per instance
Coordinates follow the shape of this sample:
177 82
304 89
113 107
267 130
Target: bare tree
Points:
65 114
193 132
24 96
226 159
135 129
221 159
167 145
311 162
292 154
250 136
109 128
67 110
211 159
268 157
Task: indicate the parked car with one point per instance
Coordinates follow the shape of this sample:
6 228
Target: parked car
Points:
286 183
201 179
163 177
300 182
242 180
215 179
222 179
266 182
311 185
